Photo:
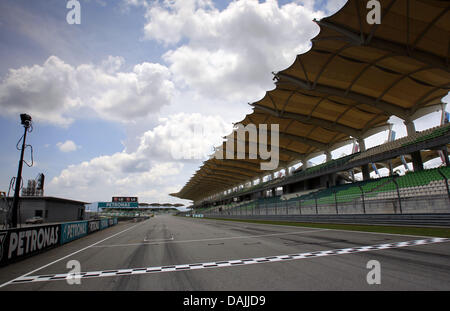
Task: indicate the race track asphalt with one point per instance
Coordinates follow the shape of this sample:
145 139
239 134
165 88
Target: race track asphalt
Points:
167 241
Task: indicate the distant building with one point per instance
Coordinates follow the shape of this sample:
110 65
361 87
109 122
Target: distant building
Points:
51 209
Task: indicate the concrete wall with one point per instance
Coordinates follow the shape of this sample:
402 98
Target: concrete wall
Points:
62 211
29 207
425 204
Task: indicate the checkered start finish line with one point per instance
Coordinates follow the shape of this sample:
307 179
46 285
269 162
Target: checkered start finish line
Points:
228 263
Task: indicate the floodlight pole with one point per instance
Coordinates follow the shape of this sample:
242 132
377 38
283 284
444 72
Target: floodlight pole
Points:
15 206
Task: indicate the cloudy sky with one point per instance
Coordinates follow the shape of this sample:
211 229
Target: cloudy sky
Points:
133 99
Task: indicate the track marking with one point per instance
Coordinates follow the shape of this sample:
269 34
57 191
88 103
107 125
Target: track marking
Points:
162 240
76 252
226 263
154 242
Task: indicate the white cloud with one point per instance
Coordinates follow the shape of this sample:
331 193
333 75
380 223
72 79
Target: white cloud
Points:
117 174
333 6
54 91
42 91
152 168
67 146
184 137
230 53
143 3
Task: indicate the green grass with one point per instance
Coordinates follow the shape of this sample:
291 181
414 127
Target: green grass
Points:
420 231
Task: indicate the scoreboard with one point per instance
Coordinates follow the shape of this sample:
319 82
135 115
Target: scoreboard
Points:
125 199
118 204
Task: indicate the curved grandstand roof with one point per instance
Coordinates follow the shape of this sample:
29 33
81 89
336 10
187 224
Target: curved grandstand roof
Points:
353 79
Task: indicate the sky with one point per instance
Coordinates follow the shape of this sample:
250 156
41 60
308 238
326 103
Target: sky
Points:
133 99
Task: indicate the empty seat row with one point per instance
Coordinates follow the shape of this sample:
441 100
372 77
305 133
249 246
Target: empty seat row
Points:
404 141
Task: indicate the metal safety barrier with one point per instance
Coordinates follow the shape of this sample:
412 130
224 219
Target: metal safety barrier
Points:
439 220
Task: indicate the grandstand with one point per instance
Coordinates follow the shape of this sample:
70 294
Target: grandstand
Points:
412 189
343 90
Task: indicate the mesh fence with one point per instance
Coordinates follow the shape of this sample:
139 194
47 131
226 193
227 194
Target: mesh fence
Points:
385 196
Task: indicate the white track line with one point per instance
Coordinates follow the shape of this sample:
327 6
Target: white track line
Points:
225 263
213 239
162 240
78 251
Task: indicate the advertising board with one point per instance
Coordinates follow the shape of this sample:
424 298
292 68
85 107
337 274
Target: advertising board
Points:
73 230
23 242
104 223
94 225
118 204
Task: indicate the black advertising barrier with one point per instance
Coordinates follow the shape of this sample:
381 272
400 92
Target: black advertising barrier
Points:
3 236
20 243
16 244
94 225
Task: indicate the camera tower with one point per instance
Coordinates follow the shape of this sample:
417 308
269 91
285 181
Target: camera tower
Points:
26 122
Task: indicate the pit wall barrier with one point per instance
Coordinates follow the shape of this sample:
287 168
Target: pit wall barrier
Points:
21 243
198 216
73 230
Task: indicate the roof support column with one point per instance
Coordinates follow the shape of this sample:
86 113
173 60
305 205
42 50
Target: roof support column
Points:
417 161
365 172
305 164
445 152
286 171
391 169
364 168
410 127
262 193
331 177
328 155
416 157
